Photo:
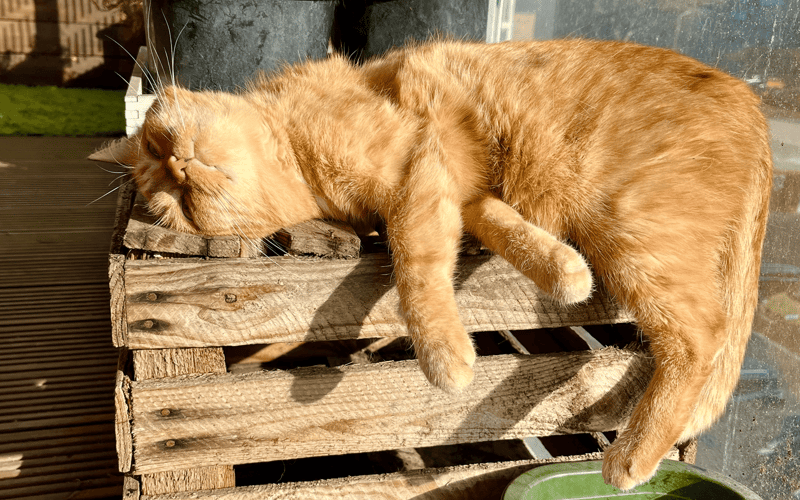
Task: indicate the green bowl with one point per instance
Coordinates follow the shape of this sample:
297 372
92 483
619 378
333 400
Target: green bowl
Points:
579 480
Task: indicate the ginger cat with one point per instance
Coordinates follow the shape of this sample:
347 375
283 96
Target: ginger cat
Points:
654 165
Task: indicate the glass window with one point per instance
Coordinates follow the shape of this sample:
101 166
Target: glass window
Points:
757 442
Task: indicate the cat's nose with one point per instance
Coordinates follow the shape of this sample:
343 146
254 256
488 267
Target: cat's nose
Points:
178 168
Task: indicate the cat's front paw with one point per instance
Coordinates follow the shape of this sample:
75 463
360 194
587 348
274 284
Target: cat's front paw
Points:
574 281
447 365
624 467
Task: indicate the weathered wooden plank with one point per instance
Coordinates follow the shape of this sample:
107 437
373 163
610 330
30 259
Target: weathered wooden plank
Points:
173 362
199 478
122 417
143 233
450 483
125 198
116 285
194 303
155 365
131 488
264 416
322 238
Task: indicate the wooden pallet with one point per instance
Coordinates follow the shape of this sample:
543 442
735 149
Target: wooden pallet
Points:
186 415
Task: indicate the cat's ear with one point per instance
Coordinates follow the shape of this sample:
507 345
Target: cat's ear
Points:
119 151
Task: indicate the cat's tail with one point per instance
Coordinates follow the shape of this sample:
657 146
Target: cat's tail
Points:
739 271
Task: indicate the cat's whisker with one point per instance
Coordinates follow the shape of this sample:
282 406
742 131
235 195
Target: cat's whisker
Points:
155 58
143 68
169 57
112 172
108 193
174 48
277 247
260 251
121 176
124 79
238 221
170 64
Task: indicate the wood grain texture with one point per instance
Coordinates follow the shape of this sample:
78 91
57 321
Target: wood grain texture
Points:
164 363
131 489
210 419
116 285
159 364
331 239
125 197
122 419
321 238
451 483
186 480
142 233
194 303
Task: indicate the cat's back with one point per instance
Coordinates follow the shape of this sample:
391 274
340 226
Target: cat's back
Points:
560 75
580 119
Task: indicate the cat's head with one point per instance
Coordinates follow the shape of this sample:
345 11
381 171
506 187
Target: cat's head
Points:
209 163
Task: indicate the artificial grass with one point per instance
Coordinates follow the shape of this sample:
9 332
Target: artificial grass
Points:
58 111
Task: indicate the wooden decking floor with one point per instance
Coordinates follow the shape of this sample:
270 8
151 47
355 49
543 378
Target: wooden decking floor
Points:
57 364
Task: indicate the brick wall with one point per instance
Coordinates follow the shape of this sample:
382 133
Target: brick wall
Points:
64 42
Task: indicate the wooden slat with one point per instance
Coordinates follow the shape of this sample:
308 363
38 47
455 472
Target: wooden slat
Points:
267 416
70 460
173 362
142 233
96 370
49 479
104 488
116 284
451 483
198 478
332 239
81 403
31 397
122 419
82 323
125 199
58 447
47 381
35 439
103 415
219 302
153 366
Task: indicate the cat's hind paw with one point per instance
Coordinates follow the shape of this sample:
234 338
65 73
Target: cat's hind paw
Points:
623 470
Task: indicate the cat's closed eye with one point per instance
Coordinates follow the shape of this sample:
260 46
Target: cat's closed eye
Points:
185 209
153 150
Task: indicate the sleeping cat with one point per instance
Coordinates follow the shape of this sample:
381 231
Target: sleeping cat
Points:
655 166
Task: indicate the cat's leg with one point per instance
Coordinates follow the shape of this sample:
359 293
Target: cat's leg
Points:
558 269
678 308
424 235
